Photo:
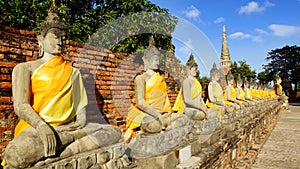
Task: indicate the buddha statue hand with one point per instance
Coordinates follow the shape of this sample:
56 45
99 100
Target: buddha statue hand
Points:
165 121
48 138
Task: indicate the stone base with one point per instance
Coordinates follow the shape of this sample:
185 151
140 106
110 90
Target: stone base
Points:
107 157
167 161
211 139
189 164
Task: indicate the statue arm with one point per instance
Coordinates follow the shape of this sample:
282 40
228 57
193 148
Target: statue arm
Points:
21 93
21 96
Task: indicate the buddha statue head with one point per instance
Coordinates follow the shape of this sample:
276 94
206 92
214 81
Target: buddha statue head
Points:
246 83
151 56
214 73
52 34
230 78
239 81
251 84
277 79
191 66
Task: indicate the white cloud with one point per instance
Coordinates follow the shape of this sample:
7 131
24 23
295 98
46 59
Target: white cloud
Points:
284 30
192 12
260 31
219 20
254 7
241 35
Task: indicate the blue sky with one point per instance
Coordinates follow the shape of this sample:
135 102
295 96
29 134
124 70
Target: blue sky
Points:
253 28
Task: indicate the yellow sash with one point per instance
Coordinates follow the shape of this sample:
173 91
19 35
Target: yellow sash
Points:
51 94
280 89
156 96
248 93
232 95
179 104
242 95
218 95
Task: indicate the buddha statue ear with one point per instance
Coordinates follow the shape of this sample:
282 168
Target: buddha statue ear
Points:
41 46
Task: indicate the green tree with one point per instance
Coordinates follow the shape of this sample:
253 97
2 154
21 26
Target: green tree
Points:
286 62
85 17
243 69
261 76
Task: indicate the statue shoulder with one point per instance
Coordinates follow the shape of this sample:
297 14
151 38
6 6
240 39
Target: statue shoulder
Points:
22 68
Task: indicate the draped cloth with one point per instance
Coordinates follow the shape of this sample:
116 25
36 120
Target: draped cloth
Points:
179 104
248 93
241 95
255 93
232 95
52 96
280 89
156 96
219 97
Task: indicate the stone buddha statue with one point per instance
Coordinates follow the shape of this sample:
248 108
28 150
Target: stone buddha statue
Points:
230 94
50 100
189 100
240 93
150 112
233 106
282 98
248 95
215 99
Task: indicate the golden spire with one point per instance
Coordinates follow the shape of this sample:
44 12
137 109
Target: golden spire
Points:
225 51
225 56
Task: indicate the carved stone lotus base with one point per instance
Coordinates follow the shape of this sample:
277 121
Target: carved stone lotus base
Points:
161 143
109 157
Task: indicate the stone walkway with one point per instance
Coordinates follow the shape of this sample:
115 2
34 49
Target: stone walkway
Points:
282 149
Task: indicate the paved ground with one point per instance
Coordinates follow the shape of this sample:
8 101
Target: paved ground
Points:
282 149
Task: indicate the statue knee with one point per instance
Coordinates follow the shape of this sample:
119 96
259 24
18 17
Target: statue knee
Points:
23 152
14 157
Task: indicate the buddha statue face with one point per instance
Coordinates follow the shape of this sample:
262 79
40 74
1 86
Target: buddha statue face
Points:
239 83
230 78
278 80
192 71
54 41
192 66
151 59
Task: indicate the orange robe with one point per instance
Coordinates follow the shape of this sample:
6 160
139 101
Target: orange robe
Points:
219 97
52 96
179 104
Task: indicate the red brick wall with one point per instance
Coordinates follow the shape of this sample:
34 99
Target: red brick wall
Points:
108 78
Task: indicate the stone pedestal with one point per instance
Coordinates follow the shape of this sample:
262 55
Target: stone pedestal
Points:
189 164
167 161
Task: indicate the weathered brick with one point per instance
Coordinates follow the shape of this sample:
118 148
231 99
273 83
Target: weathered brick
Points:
5 84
